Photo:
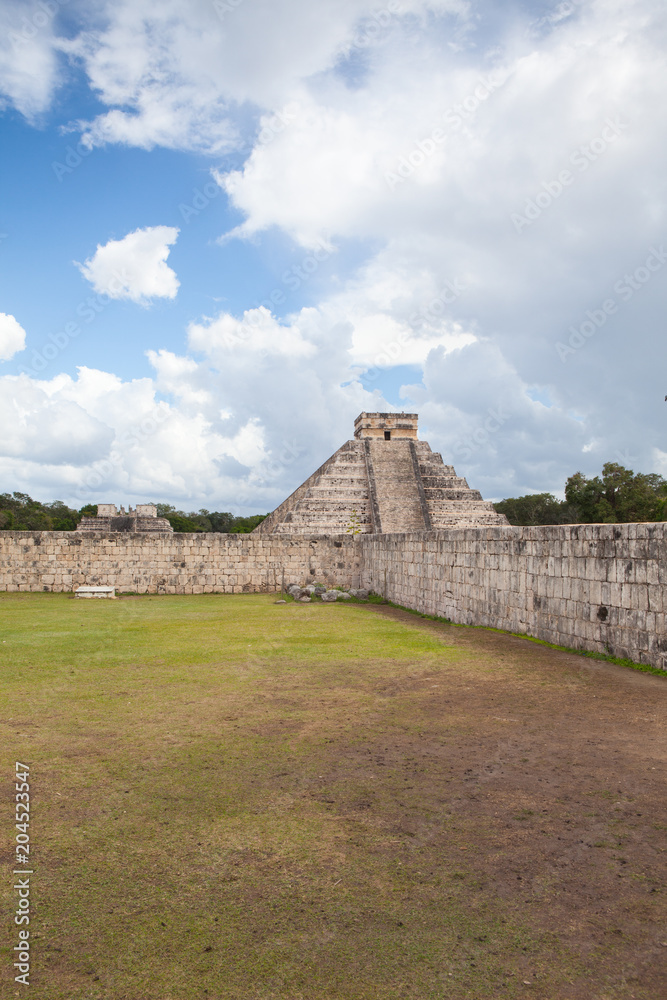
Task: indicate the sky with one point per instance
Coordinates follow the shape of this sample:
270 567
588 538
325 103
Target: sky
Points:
229 226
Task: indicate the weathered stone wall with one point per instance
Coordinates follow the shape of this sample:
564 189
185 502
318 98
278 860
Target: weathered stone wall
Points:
173 564
595 587
598 587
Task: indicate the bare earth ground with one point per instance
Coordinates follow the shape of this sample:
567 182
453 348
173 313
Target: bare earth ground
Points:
559 790
235 799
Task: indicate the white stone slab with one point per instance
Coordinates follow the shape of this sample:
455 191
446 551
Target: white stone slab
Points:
109 592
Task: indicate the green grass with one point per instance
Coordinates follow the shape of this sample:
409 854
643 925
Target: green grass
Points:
210 817
377 599
591 654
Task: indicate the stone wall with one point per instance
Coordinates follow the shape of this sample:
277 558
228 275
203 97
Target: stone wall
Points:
595 587
173 564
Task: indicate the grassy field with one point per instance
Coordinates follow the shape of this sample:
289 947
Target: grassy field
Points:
239 799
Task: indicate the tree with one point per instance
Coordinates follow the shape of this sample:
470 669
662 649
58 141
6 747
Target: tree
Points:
534 508
62 517
221 521
181 523
206 520
244 525
19 512
619 495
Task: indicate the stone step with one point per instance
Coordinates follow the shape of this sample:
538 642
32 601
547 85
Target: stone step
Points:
325 492
315 503
433 495
334 483
396 487
433 478
446 519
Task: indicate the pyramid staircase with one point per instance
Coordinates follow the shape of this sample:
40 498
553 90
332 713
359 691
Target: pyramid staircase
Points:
330 502
373 485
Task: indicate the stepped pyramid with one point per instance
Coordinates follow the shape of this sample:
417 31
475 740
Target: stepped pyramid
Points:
384 480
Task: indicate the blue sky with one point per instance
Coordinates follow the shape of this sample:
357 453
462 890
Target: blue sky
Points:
73 202
228 228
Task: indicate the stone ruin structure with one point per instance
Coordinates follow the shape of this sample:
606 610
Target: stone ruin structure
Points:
385 480
143 518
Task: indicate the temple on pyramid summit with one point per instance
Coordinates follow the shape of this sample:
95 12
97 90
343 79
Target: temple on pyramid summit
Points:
385 480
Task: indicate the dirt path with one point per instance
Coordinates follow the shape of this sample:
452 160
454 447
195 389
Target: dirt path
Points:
562 786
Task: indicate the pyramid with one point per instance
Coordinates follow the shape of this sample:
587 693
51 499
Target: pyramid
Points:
382 481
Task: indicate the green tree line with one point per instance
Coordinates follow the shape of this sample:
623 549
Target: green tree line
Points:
207 520
619 495
19 512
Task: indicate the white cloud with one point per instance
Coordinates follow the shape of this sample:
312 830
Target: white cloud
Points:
12 337
47 427
258 331
135 267
181 73
29 69
363 162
